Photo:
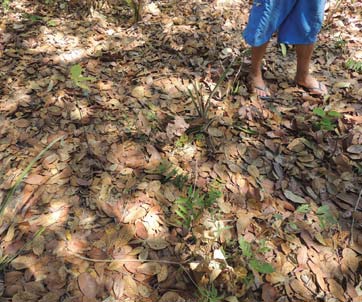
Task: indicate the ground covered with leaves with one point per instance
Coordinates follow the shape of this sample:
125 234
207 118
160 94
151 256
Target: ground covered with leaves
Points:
135 165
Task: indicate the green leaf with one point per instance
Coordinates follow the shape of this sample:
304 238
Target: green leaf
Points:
261 267
334 114
75 72
284 49
305 208
319 111
323 210
245 247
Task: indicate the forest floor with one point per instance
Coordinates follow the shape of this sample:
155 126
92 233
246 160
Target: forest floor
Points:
136 166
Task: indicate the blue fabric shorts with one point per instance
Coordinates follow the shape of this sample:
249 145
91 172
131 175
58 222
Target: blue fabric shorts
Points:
296 21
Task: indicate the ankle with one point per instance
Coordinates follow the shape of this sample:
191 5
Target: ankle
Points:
302 77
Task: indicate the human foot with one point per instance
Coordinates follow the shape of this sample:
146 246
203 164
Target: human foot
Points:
312 86
258 87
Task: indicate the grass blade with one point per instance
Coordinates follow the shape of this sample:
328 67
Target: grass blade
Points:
24 174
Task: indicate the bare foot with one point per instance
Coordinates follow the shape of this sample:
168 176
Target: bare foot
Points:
312 85
258 86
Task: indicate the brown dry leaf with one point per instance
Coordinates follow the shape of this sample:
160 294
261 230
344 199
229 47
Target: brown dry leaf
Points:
138 92
351 259
38 245
118 287
253 171
157 243
171 297
135 213
144 290
163 273
126 233
319 275
130 286
23 262
301 290
177 128
35 179
269 293
293 197
88 285
336 289
143 124
149 268
355 149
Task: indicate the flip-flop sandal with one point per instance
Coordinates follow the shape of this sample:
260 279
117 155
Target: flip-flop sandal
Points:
311 89
266 90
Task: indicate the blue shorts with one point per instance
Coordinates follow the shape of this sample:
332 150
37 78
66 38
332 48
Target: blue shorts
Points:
296 21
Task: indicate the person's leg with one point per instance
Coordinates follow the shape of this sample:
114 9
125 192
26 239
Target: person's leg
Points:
255 75
301 28
303 76
264 19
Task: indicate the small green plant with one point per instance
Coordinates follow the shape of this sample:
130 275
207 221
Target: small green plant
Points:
324 214
209 294
304 209
254 264
201 102
77 78
326 218
171 174
327 119
5 4
182 141
190 207
354 65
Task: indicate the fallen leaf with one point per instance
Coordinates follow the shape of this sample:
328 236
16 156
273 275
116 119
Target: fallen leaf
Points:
88 285
157 243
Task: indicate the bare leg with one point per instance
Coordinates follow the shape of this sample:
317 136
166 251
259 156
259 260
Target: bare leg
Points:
303 77
256 77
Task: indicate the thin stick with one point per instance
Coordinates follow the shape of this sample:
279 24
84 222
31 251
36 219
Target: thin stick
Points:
354 211
180 264
125 260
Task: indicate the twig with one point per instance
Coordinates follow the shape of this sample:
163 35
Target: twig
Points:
354 210
125 260
180 264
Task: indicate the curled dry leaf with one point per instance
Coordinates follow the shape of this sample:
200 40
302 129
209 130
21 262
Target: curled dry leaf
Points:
162 274
149 268
171 297
157 243
23 262
293 197
88 285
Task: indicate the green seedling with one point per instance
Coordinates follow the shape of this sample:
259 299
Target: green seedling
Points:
327 119
198 99
354 65
326 218
303 209
209 294
190 207
78 79
171 174
182 141
254 264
